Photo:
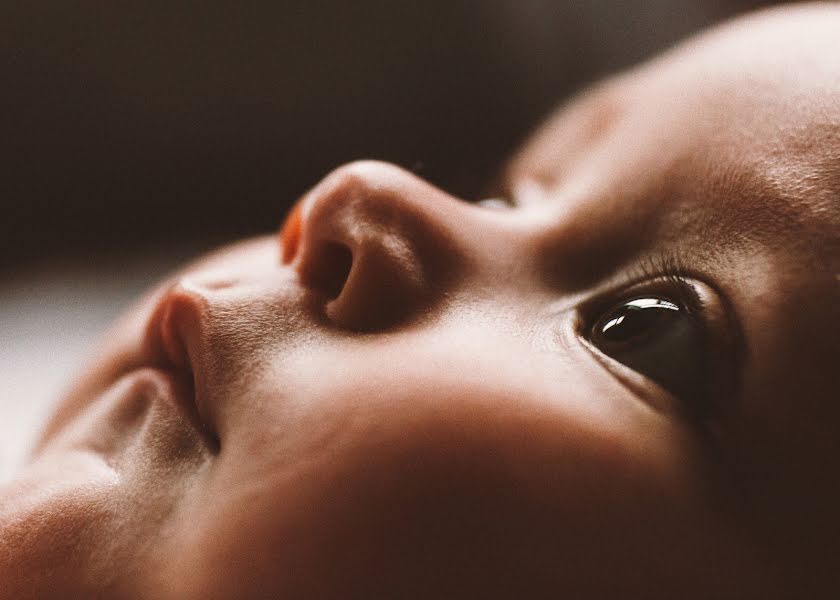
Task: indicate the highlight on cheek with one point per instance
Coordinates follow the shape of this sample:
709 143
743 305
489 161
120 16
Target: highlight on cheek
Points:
290 235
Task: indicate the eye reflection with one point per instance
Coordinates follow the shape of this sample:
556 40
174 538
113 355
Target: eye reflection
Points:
635 317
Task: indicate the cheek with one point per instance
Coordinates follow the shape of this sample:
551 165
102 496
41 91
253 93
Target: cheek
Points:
359 474
54 519
445 491
99 494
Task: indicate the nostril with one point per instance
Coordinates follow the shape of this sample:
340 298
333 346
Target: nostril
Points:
330 268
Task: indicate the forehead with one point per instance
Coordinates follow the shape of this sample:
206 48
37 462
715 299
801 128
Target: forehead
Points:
745 120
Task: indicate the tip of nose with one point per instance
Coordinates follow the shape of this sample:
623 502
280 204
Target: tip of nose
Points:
372 241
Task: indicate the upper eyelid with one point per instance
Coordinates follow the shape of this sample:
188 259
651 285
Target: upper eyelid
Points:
672 285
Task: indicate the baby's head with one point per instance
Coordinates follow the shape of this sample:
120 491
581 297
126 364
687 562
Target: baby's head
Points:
619 381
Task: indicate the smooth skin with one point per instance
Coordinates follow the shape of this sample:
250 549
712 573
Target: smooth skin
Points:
436 422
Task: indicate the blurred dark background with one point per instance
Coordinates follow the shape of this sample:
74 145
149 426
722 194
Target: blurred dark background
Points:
124 126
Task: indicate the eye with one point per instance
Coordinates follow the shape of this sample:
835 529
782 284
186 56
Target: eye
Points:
659 337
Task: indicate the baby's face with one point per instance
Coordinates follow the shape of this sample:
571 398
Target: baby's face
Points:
622 383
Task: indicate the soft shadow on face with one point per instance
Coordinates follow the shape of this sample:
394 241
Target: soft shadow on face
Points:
397 399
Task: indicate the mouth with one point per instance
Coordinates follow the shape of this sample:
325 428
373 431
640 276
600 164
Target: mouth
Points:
171 335
150 357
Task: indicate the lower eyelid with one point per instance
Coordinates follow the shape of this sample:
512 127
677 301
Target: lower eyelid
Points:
643 389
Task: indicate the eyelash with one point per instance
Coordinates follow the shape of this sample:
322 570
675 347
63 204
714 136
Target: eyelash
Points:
664 275
668 267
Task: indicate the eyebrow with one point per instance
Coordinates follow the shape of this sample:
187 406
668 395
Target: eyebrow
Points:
769 207
731 209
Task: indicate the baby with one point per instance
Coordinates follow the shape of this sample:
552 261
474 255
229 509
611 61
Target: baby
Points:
618 379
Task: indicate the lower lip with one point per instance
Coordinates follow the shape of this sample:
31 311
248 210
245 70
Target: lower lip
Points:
147 410
169 387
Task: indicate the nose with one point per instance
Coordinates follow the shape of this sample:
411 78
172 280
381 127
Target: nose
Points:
376 243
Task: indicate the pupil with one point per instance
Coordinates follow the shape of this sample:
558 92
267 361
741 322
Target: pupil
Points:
636 318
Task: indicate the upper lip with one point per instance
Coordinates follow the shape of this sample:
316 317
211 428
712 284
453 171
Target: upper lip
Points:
174 315
173 336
